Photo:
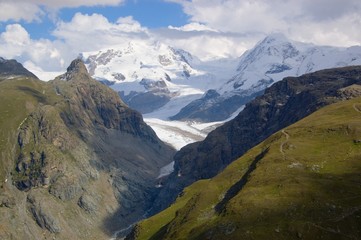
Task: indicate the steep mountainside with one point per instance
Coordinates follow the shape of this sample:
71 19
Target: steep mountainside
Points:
282 104
271 60
301 183
76 162
11 68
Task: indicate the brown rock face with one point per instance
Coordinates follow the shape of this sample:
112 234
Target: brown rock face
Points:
81 158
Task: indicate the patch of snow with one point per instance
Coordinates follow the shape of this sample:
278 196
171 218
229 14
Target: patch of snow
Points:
176 133
173 106
166 170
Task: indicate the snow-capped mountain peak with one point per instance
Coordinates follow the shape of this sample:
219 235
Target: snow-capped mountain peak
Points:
276 57
151 73
134 61
270 60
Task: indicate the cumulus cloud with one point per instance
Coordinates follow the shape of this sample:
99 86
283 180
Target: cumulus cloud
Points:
92 32
82 33
206 43
16 43
194 26
329 22
20 11
33 10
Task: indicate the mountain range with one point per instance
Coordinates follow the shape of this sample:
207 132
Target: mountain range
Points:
78 163
150 76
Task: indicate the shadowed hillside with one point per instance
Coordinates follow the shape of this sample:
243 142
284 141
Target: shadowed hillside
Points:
76 162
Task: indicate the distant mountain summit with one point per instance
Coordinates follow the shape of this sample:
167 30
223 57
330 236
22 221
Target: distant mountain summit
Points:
9 68
148 74
142 72
272 59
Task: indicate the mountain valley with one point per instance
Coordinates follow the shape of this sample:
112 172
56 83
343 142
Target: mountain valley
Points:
264 146
302 182
261 118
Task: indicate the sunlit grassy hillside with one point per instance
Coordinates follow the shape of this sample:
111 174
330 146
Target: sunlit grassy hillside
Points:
303 182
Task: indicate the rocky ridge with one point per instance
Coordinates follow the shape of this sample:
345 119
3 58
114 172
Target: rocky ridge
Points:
76 157
11 68
282 104
300 183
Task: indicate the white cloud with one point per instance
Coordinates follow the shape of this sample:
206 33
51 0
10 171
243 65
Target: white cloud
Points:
208 47
13 41
328 22
194 26
128 24
92 32
16 43
16 35
39 72
33 10
206 44
20 11
83 33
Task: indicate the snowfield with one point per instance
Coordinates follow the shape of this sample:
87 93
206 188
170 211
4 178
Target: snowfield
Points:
180 133
177 133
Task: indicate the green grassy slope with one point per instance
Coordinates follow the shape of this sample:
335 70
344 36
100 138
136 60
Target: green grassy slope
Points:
303 182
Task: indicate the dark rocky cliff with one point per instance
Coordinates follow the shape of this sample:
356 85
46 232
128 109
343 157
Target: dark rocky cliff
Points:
13 68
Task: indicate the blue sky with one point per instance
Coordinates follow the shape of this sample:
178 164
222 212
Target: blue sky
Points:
150 13
48 34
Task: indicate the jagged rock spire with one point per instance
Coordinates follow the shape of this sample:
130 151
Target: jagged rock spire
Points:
77 66
76 71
